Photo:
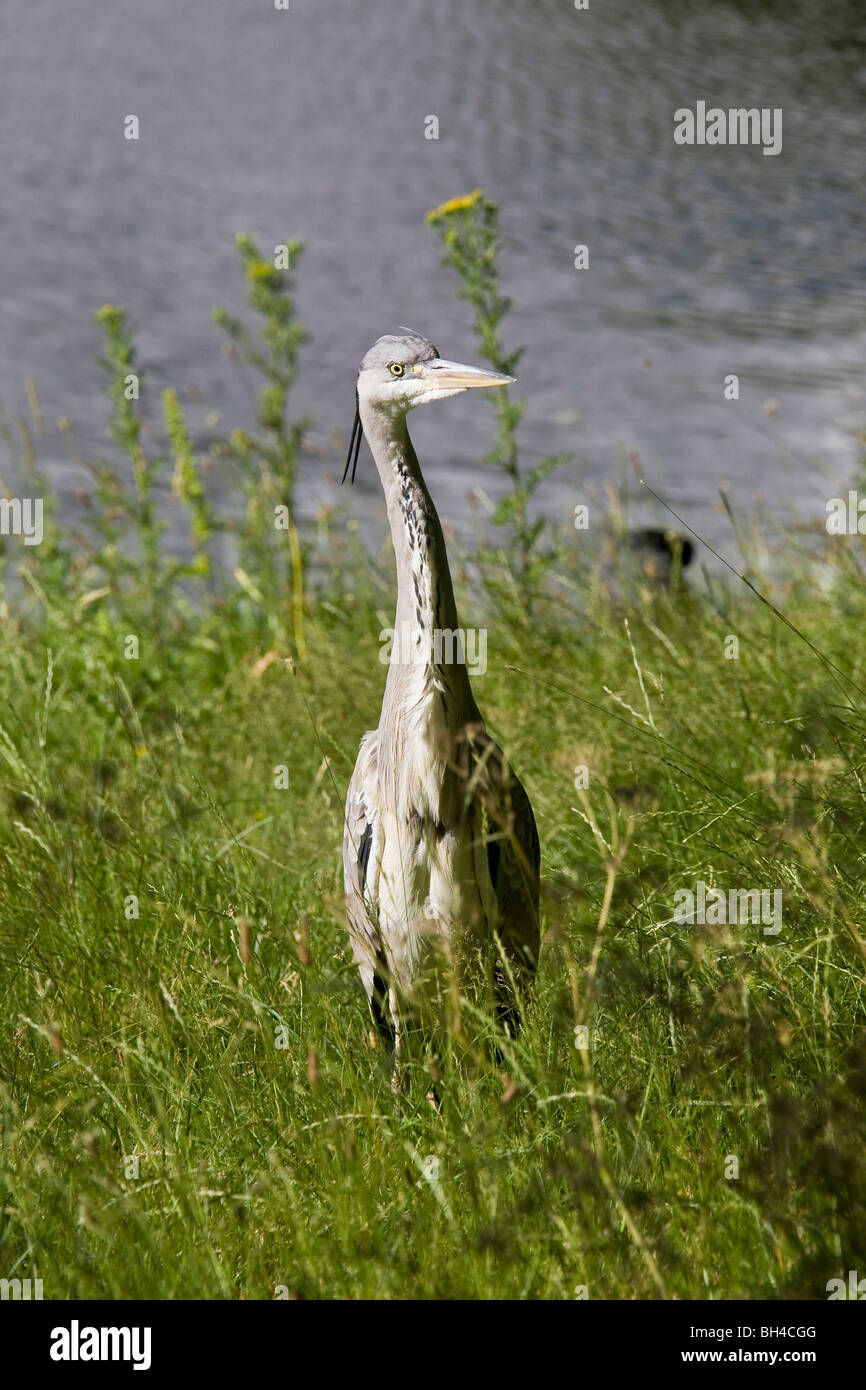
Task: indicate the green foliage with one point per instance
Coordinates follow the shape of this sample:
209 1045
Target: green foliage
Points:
468 229
191 1101
126 571
268 460
128 567
186 483
275 357
221 1039
122 511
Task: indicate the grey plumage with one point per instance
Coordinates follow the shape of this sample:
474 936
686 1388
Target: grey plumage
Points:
440 851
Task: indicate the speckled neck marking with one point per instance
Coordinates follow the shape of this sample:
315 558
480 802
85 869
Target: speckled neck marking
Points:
425 595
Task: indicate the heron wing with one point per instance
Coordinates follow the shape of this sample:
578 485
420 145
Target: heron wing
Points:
510 836
361 860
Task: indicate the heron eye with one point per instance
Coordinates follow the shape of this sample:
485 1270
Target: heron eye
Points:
396 369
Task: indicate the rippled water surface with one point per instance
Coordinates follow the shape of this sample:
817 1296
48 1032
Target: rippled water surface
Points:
310 123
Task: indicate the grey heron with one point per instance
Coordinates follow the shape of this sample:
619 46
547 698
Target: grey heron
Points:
440 850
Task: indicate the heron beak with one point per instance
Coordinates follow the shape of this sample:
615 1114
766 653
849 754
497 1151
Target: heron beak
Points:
456 376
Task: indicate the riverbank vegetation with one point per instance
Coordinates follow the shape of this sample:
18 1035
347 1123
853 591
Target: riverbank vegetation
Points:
193 1105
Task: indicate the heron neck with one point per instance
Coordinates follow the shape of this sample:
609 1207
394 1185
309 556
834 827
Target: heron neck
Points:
430 654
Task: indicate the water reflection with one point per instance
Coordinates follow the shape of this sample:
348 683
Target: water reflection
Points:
703 261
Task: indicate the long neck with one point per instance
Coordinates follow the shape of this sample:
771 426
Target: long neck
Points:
428 658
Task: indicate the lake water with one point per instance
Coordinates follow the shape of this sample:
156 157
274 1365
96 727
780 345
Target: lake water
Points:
310 123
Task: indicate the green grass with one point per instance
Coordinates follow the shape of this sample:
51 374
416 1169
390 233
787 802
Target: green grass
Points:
192 1104
259 1166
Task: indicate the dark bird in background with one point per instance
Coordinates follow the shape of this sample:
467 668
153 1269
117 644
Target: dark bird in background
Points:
659 552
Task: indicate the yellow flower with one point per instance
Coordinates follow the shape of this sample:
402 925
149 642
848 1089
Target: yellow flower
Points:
261 270
455 205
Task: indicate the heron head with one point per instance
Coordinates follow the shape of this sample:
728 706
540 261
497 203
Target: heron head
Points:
400 372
